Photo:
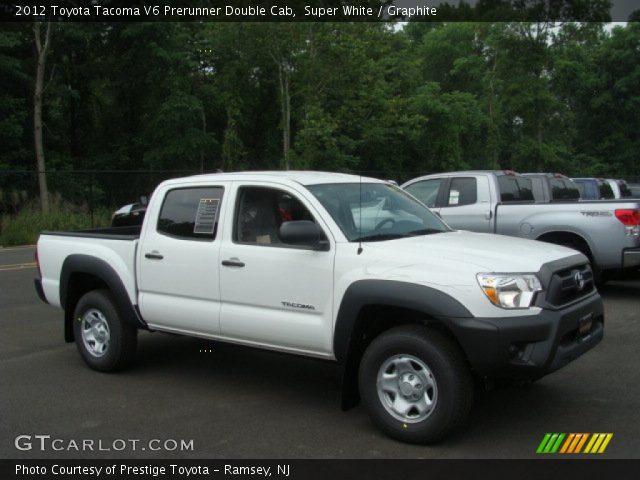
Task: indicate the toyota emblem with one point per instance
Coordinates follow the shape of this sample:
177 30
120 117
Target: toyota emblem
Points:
579 279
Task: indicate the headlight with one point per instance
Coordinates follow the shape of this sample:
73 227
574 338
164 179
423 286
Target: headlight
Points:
509 290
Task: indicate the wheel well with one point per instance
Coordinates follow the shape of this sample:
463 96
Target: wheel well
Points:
79 284
372 321
568 239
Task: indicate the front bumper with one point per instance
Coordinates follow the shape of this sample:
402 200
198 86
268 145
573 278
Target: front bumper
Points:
531 346
631 258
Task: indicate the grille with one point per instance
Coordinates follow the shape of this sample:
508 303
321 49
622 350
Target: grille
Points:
570 284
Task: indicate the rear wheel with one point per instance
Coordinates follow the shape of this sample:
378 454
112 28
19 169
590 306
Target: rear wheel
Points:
105 341
576 243
415 384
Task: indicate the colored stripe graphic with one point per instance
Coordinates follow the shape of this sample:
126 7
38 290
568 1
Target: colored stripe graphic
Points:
556 446
550 443
581 442
567 442
573 443
598 442
543 443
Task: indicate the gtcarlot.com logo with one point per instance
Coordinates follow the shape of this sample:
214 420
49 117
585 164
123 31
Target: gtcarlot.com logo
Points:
45 443
571 443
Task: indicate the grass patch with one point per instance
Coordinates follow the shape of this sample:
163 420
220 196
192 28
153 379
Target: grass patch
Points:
24 227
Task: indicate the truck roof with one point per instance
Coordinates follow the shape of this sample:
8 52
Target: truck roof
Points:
476 172
302 177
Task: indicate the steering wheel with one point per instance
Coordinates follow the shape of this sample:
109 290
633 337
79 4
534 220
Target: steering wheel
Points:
384 222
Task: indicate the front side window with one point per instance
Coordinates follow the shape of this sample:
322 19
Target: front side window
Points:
426 191
376 211
261 211
463 191
190 213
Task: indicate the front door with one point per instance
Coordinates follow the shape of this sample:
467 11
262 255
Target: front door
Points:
466 204
272 293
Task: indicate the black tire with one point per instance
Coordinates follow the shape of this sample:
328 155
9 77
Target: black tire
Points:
599 276
119 350
444 360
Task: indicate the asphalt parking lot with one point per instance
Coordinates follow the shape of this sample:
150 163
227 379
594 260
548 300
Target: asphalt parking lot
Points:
236 402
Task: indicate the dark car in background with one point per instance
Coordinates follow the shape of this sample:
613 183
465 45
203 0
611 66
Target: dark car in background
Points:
130 215
594 189
620 188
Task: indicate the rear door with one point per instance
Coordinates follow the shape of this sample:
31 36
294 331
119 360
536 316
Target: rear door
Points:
274 294
178 261
466 204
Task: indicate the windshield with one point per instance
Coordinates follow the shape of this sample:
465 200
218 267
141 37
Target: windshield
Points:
376 211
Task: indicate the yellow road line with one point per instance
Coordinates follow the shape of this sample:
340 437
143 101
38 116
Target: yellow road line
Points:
8 249
17 266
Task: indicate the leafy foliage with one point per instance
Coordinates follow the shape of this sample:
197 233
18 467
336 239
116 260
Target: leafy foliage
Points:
394 102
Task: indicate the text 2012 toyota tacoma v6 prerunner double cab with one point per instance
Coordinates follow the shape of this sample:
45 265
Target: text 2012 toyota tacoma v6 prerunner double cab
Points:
332 266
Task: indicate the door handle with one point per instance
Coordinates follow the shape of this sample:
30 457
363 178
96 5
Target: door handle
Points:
153 256
233 262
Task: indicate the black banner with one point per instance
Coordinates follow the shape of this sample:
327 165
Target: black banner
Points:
323 10
542 468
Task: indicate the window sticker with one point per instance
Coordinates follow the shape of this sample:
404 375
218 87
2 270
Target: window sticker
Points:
206 216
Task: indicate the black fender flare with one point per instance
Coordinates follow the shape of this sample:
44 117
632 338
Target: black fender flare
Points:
434 304
98 268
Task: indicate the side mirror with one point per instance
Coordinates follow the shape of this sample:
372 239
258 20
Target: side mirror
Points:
303 233
143 200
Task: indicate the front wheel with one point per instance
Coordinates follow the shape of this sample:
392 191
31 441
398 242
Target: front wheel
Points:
415 384
105 341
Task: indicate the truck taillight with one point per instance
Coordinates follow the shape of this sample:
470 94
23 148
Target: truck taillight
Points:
629 217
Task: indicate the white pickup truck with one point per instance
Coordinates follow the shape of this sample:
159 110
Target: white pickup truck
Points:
342 268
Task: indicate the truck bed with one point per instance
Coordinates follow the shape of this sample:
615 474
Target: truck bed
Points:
115 246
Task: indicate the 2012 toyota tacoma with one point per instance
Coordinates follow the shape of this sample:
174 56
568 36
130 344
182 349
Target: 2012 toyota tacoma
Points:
343 268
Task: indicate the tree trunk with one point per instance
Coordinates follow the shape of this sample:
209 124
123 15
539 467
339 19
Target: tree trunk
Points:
203 118
41 50
285 106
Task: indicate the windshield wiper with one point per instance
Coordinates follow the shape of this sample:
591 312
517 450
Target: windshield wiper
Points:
380 236
424 231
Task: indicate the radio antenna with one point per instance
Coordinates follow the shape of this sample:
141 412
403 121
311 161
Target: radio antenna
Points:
360 221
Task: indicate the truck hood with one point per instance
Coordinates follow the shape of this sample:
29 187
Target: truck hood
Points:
446 255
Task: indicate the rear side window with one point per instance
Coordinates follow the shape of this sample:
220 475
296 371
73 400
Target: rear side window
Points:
606 191
563 189
426 191
463 191
515 189
191 213
625 191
